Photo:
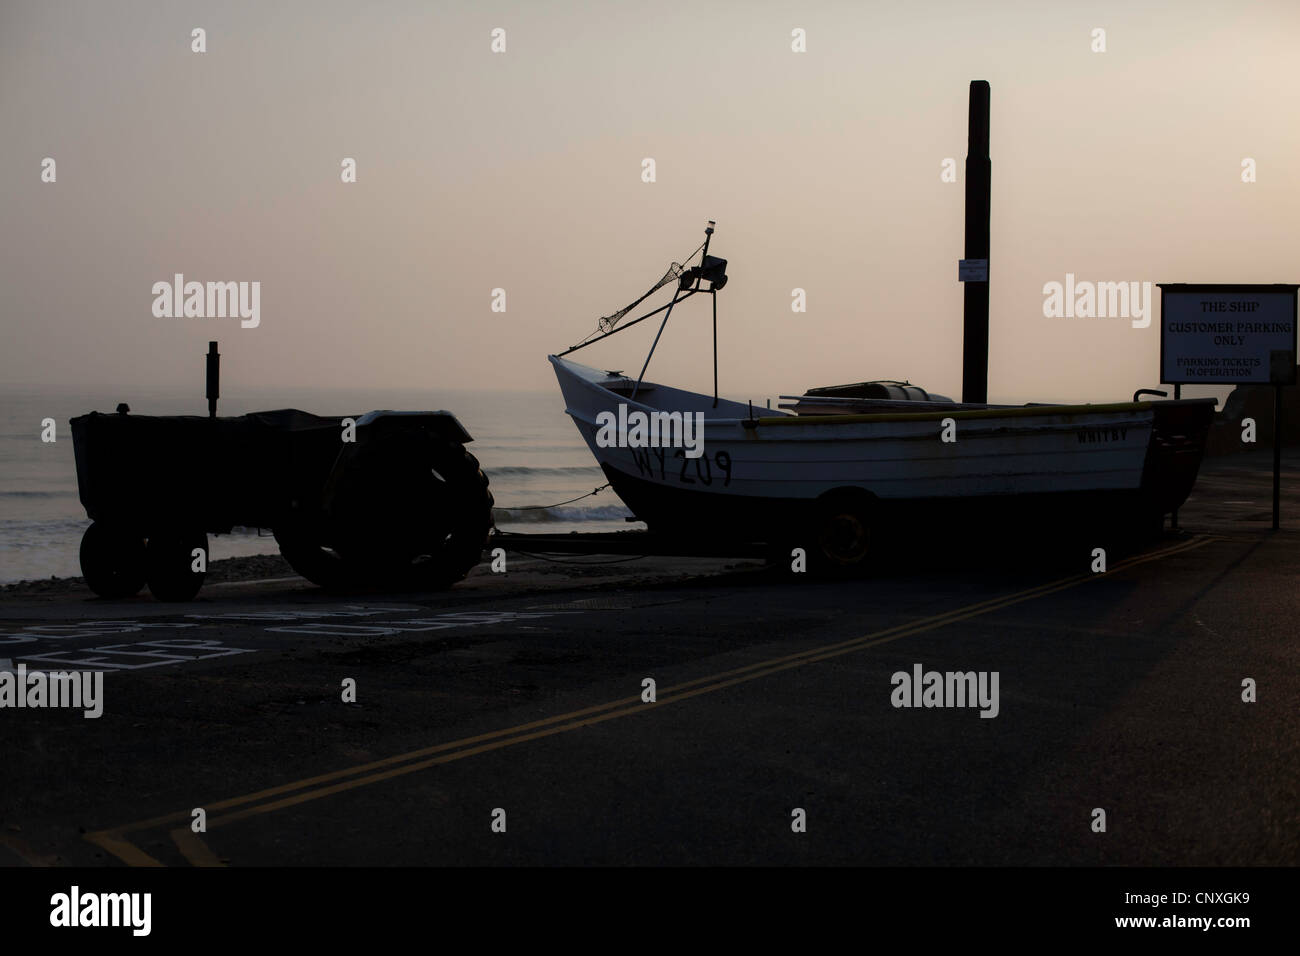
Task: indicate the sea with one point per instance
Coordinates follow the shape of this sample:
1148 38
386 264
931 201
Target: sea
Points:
530 450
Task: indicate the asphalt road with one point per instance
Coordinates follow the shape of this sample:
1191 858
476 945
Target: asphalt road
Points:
524 693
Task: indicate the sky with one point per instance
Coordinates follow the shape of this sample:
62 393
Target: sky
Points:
522 170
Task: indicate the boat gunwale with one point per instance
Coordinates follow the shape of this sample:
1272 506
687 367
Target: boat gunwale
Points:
974 413
1013 411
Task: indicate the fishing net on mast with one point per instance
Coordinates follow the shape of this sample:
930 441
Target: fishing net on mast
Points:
607 323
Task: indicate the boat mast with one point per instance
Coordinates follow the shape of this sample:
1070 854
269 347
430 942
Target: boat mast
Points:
708 234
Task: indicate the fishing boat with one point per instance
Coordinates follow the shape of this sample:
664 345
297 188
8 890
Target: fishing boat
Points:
832 467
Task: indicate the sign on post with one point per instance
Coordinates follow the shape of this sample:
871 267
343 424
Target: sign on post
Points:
1231 335
1227 334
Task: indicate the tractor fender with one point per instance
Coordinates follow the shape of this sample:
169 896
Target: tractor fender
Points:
442 424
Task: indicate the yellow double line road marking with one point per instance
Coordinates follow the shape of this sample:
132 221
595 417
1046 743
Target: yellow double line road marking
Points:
351 778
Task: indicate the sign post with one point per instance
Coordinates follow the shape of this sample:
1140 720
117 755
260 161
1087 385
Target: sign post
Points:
1277 455
1225 334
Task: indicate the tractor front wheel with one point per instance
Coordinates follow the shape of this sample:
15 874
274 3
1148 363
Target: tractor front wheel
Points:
112 560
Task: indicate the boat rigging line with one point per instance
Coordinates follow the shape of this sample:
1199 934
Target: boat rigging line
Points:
594 491
605 325
710 269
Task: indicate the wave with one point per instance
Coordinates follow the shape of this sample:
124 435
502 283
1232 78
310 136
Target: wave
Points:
516 448
550 470
13 527
561 514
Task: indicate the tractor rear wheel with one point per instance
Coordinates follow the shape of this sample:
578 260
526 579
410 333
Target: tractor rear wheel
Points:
405 510
322 566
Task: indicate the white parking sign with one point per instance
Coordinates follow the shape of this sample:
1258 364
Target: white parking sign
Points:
1227 334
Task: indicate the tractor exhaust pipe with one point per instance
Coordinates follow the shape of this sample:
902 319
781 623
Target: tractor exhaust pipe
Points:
214 379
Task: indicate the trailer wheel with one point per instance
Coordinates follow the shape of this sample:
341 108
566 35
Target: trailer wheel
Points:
112 560
842 533
169 564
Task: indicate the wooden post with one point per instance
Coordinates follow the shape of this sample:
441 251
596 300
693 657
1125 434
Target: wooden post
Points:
975 325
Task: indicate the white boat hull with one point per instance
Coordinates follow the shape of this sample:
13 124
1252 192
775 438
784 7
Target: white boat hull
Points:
777 460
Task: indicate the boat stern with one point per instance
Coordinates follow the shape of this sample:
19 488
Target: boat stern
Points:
1177 445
